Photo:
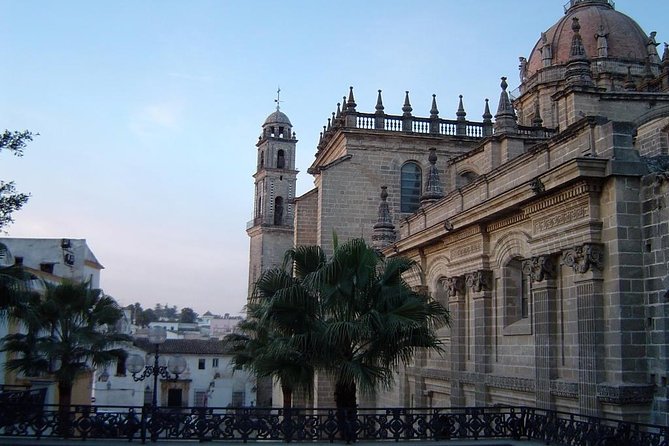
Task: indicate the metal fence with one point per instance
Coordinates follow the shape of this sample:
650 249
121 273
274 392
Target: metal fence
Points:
329 425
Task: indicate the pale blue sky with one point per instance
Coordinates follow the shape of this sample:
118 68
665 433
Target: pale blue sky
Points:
149 112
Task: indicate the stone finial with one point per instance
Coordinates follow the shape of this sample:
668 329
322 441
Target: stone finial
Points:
537 121
487 116
344 107
487 120
434 116
629 85
505 121
406 109
383 233
433 188
379 104
434 111
461 111
578 67
350 104
577 48
338 110
330 123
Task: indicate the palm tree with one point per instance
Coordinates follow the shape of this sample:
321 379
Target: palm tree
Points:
276 339
373 321
353 317
64 332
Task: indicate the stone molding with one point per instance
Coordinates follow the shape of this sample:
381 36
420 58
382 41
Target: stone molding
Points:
625 394
585 257
539 268
463 234
506 222
479 280
579 189
511 383
564 389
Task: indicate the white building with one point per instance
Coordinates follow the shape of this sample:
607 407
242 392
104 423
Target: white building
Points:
207 381
55 259
52 260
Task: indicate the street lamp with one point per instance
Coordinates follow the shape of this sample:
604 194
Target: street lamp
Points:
135 364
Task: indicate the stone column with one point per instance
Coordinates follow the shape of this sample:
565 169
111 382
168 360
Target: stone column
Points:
586 261
455 288
479 284
542 272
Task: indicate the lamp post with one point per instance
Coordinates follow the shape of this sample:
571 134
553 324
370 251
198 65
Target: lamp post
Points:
135 364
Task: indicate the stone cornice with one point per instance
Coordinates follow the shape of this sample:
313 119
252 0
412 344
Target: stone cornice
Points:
495 207
581 188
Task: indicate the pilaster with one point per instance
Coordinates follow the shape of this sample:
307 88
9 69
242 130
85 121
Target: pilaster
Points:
456 305
586 261
480 292
543 274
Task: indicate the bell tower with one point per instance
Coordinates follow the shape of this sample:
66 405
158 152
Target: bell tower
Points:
271 230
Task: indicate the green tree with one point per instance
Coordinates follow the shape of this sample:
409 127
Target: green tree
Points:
149 315
64 332
187 315
353 317
276 339
10 199
373 320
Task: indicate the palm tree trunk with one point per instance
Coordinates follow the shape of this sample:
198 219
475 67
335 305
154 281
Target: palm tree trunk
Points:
345 399
64 403
287 392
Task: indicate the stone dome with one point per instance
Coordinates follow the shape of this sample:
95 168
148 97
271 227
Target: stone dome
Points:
277 118
626 41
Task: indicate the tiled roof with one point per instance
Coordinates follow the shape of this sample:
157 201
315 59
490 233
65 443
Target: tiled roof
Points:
185 346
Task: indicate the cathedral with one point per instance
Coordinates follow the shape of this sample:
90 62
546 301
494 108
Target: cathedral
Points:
544 228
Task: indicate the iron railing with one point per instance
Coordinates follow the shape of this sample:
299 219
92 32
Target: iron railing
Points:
306 425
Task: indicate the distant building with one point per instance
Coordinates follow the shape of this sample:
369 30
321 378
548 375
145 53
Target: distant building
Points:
223 325
208 380
55 259
52 260
544 230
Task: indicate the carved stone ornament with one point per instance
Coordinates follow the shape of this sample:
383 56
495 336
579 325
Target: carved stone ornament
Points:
582 258
539 268
479 280
454 285
625 394
537 186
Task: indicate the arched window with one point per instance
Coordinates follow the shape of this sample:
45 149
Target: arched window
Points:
464 178
278 211
280 160
516 292
410 187
262 159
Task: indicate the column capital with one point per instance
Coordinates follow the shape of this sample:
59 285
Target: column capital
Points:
480 280
589 256
454 285
540 268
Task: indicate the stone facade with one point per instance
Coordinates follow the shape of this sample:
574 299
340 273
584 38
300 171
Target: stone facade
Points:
549 244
